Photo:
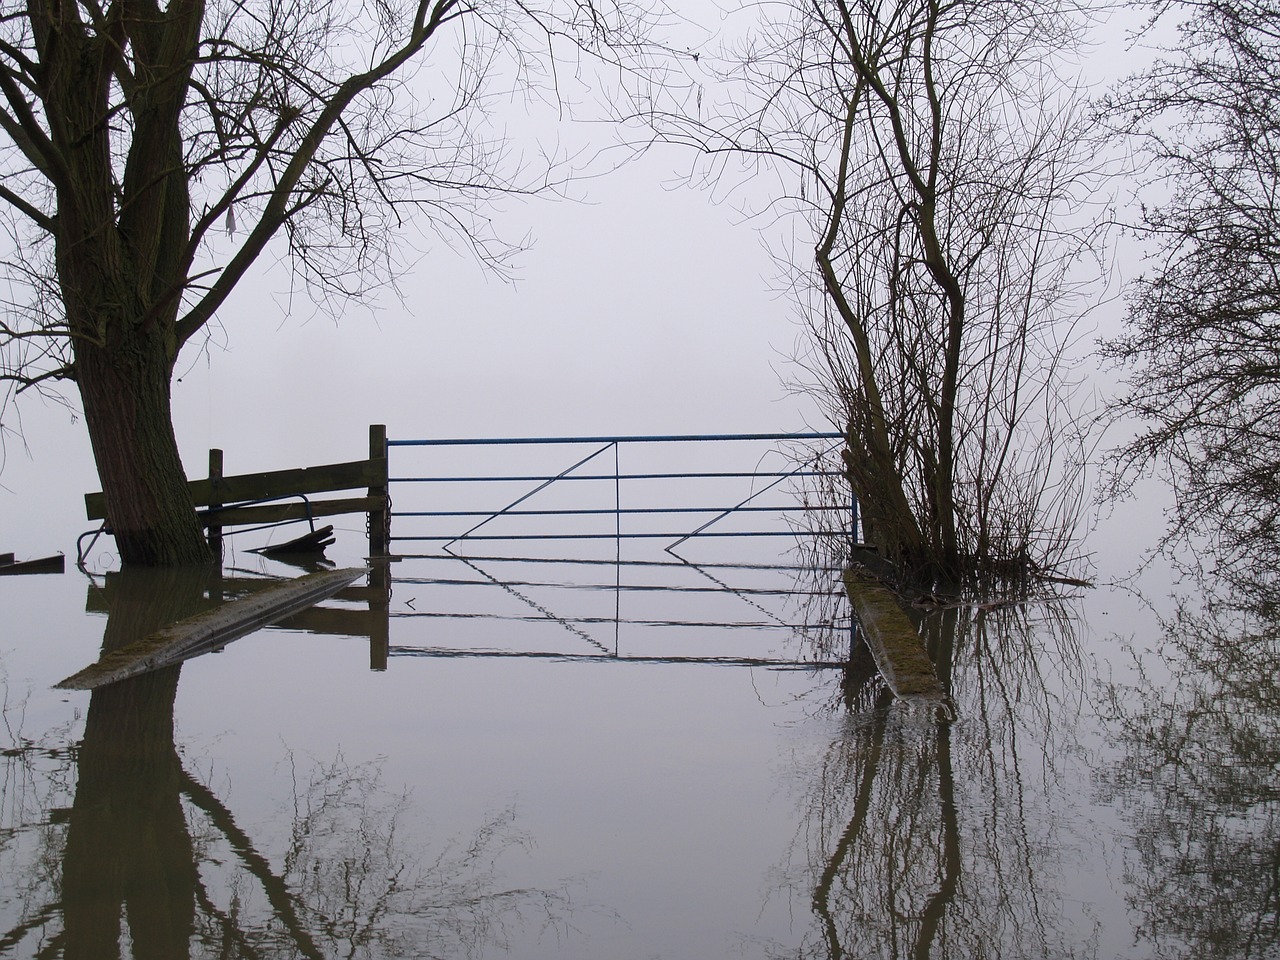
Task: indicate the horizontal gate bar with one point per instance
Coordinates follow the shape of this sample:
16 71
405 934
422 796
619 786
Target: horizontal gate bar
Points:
457 653
615 512
613 562
625 476
620 587
674 438
601 536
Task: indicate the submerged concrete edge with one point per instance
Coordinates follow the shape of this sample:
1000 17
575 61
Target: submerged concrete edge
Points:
894 642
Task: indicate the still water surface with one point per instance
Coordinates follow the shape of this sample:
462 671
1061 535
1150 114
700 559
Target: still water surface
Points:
531 775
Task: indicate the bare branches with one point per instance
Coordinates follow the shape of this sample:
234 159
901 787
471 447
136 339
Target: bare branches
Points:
282 203
219 126
34 213
933 160
131 130
1202 340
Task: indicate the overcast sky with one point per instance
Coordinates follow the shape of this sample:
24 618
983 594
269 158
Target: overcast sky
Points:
642 308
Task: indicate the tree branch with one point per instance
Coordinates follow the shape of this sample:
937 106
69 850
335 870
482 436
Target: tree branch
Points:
430 18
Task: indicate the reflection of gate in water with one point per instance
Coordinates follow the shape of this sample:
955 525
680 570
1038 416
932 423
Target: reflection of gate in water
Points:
684 547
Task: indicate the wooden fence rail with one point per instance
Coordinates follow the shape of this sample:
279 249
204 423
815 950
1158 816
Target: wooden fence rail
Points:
223 501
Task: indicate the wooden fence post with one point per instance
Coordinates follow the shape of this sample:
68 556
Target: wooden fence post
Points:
379 547
380 518
215 501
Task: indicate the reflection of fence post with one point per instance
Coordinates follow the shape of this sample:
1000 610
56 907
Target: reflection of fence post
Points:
215 503
380 607
379 518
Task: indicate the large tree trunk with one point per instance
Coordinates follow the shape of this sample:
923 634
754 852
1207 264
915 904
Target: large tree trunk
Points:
120 250
124 387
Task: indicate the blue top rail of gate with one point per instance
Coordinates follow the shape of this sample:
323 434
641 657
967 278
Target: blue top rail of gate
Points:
655 438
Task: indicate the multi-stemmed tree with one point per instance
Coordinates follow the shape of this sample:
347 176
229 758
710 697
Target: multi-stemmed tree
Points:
934 165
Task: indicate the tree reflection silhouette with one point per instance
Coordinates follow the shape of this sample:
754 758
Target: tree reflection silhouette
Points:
922 832
1199 780
128 852
154 864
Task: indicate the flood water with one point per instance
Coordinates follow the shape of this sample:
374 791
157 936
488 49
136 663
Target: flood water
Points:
540 758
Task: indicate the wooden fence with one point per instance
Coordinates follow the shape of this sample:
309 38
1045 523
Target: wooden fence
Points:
280 496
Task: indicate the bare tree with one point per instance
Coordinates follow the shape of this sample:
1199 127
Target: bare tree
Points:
151 154
936 160
1202 341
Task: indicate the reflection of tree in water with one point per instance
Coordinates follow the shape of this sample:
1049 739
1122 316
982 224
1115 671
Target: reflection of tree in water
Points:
36 780
1199 780
149 862
346 886
924 836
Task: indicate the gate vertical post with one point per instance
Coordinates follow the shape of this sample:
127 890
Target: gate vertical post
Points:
215 503
380 516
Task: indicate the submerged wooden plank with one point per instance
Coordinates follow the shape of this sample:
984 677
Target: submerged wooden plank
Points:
213 628
893 640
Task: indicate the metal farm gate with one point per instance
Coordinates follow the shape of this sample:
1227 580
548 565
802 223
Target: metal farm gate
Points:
713 548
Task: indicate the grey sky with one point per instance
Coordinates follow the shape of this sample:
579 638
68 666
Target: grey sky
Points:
641 309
